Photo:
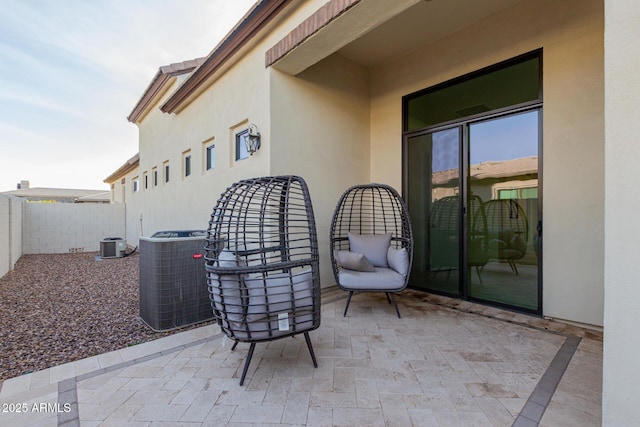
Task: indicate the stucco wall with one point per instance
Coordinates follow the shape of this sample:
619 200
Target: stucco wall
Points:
571 35
11 214
621 385
320 131
70 227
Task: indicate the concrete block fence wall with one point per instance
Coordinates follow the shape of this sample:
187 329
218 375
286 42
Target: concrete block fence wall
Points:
46 228
70 227
11 214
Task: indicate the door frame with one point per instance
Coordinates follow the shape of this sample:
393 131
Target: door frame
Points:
463 125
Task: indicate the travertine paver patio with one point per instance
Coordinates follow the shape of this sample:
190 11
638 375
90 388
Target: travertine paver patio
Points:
437 366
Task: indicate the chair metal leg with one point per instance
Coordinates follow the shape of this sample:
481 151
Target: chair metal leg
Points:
235 344
246 363
393 297
512 263
479 276
388 299
313 355
348 301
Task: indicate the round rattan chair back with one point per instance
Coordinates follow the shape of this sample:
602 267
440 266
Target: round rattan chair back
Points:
261 260
371 209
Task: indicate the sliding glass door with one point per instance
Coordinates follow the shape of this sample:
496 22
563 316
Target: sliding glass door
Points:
502 206
433 188
471 183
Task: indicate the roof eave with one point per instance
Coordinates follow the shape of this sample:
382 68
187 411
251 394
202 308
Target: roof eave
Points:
130 165
254 20
158 86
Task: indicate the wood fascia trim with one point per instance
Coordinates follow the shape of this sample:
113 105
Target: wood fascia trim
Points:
259 16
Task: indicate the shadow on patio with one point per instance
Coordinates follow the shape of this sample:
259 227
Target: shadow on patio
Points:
445 363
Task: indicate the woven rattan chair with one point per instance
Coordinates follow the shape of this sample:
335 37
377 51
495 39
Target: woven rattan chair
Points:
262 262
444 234
371 242
508 231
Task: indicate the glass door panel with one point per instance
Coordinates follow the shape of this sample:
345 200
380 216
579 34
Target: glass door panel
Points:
433 188
502 202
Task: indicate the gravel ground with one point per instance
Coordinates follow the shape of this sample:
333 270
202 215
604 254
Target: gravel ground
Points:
59 308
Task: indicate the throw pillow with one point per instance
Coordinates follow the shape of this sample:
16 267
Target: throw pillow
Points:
398 260
373 246
353 261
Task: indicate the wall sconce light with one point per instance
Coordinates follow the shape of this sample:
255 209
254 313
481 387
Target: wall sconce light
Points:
252 140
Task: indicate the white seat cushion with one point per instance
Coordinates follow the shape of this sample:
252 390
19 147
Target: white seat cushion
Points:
384 279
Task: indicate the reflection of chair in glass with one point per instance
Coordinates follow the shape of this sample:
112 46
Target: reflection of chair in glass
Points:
262 262
371 242
477 254
507 230
444 232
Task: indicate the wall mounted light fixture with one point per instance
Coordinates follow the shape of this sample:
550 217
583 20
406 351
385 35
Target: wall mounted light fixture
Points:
252 140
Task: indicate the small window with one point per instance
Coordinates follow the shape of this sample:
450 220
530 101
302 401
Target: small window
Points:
241 145
210 157
154 172
136 184
145 181
165 168
186 163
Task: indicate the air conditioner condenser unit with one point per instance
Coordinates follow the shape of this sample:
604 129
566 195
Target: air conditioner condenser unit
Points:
113 247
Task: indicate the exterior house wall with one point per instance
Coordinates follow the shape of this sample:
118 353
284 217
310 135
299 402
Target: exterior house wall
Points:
621 371
186 202
63 228
571 35
11 219
320 128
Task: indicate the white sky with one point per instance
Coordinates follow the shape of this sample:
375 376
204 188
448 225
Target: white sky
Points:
71 71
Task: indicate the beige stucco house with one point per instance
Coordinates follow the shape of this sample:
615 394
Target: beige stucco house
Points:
404 92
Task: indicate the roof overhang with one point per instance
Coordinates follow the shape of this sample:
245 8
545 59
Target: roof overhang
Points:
375 32
330 28
259 16
159 86
130 165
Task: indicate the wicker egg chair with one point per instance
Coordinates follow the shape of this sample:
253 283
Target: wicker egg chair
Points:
508 231
261 260
371 242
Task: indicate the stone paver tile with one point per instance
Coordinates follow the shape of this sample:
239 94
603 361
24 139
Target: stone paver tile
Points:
422 418
258 415
495 411
558 415
191 390
394 410
489 390
103 406
15 385
156 397
367 395
107 360
160 412
344 380
514 406
277 391
90 364
241 397
200 406
332 400
356 417
219 415
296 408
27 413
320 417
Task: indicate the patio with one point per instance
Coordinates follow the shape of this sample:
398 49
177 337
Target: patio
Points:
445 363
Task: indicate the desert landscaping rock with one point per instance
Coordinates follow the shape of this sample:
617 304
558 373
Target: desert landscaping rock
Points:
58 308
